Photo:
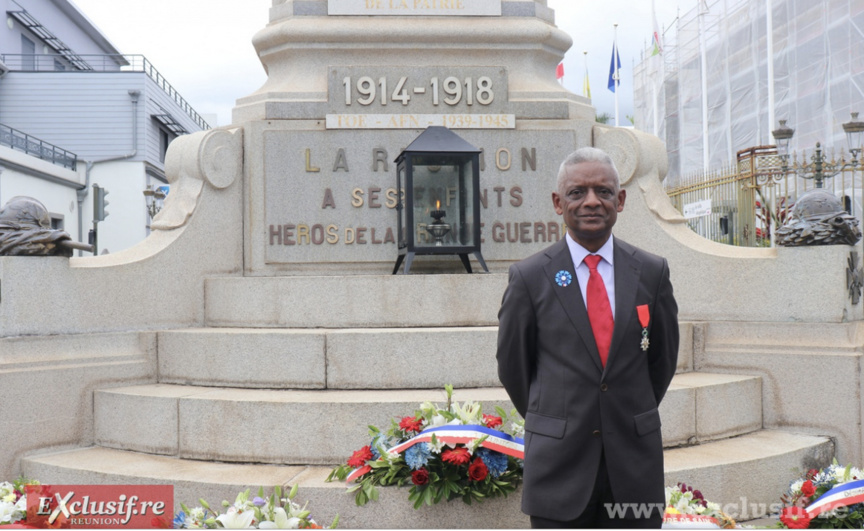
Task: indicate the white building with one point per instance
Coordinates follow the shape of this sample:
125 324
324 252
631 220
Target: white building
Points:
75 112
714 90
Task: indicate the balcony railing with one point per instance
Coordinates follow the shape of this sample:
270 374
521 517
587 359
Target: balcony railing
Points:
15 139
100 63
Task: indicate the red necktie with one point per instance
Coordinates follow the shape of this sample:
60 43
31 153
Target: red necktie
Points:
599 310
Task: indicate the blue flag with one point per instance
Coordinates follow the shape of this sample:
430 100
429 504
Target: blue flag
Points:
614 80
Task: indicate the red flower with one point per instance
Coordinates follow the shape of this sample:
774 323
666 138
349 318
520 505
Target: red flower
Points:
457 456
410 424
477 471
807 489
420 477
795 518
360 457
492 421
158 522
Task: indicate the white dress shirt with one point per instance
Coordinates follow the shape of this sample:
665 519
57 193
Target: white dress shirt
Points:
605 267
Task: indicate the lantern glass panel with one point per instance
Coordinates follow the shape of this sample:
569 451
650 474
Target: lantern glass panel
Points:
443 201
401 229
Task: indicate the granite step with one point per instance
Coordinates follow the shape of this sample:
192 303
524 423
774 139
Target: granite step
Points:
354 358
756 467
355 301
275 426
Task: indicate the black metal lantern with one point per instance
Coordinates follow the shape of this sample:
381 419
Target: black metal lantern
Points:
440 210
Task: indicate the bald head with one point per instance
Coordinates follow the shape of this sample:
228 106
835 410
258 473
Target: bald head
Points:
587 154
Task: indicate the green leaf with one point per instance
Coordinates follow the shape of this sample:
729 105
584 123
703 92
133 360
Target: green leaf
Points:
204 503
427 496
335 522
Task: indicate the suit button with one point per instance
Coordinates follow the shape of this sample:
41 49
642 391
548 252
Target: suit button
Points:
604 387
596 433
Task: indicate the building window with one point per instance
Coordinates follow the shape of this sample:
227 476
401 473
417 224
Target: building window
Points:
58 66
57 222
28 51
165 138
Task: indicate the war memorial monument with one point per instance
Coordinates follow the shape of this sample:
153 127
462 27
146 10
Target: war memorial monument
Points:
253 336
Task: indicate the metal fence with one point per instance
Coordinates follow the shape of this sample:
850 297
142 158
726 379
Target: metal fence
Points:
742 203
38 148
100 63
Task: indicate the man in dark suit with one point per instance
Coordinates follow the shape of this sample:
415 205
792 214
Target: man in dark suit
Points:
588 384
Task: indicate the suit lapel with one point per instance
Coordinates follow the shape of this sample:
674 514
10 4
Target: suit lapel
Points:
627 271
570 297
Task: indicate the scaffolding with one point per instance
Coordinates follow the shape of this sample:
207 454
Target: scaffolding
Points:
710 93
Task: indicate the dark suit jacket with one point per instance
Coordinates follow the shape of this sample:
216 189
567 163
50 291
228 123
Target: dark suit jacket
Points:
573 408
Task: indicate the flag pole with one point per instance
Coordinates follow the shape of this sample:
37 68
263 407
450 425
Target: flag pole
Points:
654 91
703 9
617 75
586 86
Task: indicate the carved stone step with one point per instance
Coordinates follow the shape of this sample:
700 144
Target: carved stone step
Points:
353 358
276 426
757 467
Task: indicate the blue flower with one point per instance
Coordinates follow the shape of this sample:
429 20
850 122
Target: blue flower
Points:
417 456
180 520
259 501
378 440
496 462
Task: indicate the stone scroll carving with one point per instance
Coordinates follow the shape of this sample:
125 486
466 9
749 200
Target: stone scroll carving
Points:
214 157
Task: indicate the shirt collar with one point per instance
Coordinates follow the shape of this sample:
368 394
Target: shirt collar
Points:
578 253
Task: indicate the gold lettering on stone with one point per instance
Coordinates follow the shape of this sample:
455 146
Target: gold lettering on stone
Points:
302 232
498 156
309 167
357 198
391 199
332 234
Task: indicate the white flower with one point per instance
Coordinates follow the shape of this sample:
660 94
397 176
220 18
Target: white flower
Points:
8 513
517 429
796 486
195 518
280 521
468 413
235 519
437 420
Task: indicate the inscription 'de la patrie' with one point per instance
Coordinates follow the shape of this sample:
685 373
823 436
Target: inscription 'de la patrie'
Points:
415 7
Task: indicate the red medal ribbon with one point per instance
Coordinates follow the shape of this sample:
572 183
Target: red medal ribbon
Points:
644 317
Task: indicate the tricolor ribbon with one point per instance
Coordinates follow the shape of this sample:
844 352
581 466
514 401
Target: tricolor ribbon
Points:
457 434
842 495
644 319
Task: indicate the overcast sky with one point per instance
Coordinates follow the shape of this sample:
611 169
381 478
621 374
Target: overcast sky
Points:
204 47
